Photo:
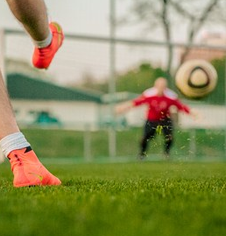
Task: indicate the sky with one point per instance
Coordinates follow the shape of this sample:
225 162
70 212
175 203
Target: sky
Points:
79 59
75 16
80 17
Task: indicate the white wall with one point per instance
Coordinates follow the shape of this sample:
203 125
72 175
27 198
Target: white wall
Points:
76 115
208 117
71 114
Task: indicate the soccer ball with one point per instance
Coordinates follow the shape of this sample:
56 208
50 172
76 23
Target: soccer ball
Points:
196 78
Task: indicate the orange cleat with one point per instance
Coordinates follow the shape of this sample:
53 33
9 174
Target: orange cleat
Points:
28 170
42 57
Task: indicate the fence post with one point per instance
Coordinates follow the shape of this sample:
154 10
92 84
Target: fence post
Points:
225 104
112 87
87 143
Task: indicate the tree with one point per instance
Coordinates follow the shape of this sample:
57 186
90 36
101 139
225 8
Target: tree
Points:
196 16
139 79
135 80
165 15
153 13
217 97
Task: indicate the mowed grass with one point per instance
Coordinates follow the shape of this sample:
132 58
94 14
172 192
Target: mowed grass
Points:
143 198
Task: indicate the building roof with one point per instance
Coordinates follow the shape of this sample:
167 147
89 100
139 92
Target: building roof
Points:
23 87
118 97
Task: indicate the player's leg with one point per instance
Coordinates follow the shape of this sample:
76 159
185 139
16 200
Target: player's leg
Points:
167 126
8 123
148 134
47 37
25 165
33 15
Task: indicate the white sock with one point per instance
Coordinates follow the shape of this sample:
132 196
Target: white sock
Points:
44 43
13 142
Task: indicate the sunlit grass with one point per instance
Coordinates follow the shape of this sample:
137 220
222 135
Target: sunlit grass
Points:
147 198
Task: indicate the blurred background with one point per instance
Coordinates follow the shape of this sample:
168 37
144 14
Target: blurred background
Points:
113 51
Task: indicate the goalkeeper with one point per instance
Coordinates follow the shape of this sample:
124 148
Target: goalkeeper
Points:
159 99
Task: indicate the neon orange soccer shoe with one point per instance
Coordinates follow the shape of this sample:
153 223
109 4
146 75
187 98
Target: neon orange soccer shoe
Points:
28 170
42 57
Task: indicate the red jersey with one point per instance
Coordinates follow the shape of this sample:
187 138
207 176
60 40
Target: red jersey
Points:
159 106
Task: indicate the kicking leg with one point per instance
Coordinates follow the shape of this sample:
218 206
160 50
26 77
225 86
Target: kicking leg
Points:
33 15
47 38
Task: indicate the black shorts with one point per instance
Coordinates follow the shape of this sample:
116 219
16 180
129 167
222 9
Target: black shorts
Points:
163 126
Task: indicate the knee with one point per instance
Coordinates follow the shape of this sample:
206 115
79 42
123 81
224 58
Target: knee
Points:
169 138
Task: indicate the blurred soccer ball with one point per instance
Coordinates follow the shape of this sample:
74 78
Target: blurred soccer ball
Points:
196 78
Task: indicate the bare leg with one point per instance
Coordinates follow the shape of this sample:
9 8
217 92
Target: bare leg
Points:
24 163
26 167
8 123
33 15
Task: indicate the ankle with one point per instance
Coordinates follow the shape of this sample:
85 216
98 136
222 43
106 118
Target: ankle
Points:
13 142
44 43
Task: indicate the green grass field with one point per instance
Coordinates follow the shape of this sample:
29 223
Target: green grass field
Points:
121 199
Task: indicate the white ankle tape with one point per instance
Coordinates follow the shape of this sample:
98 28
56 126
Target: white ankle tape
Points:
44 43
13 142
